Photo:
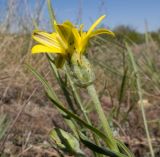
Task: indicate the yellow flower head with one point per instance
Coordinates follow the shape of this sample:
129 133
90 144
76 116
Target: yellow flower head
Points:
66 40
59 42
82 38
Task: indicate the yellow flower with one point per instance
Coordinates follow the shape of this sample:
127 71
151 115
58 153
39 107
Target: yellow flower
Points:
66 40
60 42
82 38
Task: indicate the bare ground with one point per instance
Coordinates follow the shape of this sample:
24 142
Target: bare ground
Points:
29 134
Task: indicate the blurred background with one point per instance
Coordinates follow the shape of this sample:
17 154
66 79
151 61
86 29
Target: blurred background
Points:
26 115
18 15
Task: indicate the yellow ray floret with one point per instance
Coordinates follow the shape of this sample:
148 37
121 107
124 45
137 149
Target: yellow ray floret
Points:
82 38
48 43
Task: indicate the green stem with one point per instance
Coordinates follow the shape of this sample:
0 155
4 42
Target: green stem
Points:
111 143
78 100
79 103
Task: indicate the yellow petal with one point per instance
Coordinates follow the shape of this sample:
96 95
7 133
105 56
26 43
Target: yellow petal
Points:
65 31
95 24
76 33
81 29
54 22
77 38
68 23
101 31
83 35
70 37
46 39
62 35
45 49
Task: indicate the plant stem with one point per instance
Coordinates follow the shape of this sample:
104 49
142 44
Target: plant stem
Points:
78 100
80 105
92 92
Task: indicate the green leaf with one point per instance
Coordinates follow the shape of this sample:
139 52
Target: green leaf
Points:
123 83
79 120
66 142
123 147
98 149
43 81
